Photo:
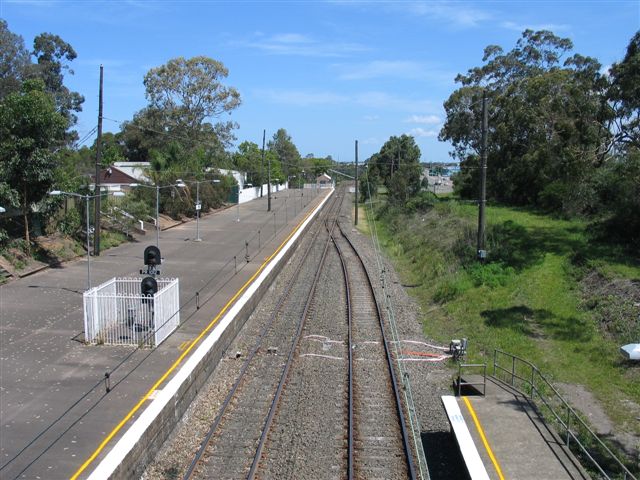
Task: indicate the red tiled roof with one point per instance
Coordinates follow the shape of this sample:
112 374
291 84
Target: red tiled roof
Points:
113 175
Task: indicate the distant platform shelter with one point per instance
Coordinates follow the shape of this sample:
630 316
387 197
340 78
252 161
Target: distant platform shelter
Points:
117 313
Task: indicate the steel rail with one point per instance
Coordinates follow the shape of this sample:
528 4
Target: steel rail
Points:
263 333
350 422
405 435
287 367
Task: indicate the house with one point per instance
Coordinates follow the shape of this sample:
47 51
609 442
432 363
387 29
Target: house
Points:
324 181
120 175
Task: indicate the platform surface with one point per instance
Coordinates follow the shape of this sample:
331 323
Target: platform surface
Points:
54 410
521 445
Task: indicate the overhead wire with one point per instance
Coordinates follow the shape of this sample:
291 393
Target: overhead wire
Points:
140 346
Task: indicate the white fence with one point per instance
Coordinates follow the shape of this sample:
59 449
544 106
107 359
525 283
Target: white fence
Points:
116 312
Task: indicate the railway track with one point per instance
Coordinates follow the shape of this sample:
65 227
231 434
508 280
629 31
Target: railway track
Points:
379 445
305 404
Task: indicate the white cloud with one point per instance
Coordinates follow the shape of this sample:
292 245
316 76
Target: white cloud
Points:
455 13
554 27
383 100
301 98
404 69
421 132
373 100
427 119
300 45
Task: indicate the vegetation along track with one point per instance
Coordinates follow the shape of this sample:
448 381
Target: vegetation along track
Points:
295 410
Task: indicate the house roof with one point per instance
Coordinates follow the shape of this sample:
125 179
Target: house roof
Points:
135 170
324 176
114 175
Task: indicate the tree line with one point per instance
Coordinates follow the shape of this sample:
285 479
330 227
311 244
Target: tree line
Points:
563 136
183 132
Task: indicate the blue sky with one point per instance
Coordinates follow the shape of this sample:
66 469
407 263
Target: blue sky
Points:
328 72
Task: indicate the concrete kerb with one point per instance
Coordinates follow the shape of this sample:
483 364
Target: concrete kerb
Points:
142 440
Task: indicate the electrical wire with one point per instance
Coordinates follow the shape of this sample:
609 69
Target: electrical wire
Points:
139 346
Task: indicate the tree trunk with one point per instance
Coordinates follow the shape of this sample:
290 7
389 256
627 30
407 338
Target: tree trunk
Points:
25 214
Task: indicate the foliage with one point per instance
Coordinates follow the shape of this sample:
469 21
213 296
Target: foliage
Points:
52 54
186 93
624 94
547 124
286 152
526 299
397 165
30 128
14 60
248 159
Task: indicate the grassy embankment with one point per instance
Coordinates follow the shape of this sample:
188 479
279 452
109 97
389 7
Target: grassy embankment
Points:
530 299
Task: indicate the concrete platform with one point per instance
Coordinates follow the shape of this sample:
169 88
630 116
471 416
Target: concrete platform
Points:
521 445
56 418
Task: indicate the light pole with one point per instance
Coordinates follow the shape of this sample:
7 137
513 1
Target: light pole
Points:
179 183
199 206
86 199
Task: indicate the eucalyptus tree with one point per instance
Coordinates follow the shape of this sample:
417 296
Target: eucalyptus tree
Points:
547 123
14 60
31 129
287 153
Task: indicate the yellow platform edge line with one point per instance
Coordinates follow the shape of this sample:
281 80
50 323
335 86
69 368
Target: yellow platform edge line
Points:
485 442
179 360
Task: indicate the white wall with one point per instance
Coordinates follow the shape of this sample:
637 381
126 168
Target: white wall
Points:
251 193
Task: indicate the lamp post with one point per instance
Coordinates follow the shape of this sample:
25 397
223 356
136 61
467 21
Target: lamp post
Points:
86 199
179 183
199 206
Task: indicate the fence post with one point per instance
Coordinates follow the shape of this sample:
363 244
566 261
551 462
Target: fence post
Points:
246 251
259 242
495 360
533 370
568 424
513 370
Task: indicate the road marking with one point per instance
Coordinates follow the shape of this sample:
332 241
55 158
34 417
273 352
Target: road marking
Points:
184 345
484 438
179 360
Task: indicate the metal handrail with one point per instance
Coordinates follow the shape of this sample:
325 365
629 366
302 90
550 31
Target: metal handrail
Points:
572 418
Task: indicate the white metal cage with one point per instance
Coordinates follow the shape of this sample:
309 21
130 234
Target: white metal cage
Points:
116 312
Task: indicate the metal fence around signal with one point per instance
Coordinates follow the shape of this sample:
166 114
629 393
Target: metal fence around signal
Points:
117 313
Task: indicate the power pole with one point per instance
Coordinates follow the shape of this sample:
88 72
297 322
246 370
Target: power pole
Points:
96 234
264 132
482 253
356 202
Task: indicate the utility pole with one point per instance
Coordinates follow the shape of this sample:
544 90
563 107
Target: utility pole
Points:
356 202
264 132
96 234
482 253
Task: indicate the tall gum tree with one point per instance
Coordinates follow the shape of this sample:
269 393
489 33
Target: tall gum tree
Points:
30 130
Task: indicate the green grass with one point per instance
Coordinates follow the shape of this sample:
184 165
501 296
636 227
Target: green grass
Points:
527 300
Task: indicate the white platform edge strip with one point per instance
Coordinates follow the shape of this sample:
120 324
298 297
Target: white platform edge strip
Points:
133 434
472 459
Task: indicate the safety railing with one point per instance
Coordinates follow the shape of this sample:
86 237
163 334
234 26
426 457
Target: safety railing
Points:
117 313
525 378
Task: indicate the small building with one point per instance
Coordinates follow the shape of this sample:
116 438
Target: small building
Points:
120 175
324 181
